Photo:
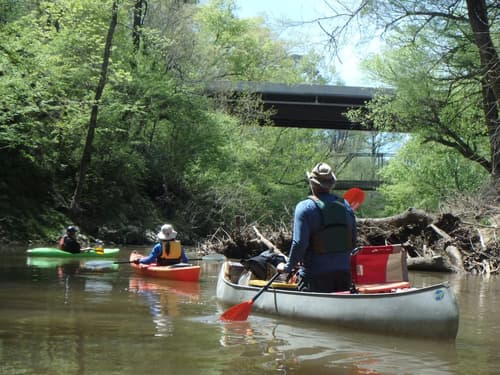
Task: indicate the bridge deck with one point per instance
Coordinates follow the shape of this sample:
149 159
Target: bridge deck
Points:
308 106
305 106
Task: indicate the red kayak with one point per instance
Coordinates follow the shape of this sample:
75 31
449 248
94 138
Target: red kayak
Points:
180 271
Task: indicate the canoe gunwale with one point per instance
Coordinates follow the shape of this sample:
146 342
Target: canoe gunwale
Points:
272 290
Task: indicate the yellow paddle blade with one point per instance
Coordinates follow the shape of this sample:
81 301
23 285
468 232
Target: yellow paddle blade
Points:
238 312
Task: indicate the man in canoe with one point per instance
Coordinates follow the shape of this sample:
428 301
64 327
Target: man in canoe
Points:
324 234
69 242
167 251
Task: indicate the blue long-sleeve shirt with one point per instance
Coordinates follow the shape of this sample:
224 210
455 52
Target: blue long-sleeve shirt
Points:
306 222
155 253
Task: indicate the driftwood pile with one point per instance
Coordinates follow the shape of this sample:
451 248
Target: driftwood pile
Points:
437 243
441 243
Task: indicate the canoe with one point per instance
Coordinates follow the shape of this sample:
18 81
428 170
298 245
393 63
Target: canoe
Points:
180 272
56 253
427 312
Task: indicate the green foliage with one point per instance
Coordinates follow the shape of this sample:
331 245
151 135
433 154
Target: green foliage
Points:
162 150
432 62
422 175
245 50
436 97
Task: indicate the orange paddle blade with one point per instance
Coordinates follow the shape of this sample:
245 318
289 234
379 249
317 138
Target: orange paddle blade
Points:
238 312
354 196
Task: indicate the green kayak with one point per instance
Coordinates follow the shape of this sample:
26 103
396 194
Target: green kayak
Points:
56 253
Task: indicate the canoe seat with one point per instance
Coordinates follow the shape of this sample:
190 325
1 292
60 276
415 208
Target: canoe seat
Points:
233 271
382 288
276 285
379 269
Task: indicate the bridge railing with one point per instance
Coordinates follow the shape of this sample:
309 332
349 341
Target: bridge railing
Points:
362 184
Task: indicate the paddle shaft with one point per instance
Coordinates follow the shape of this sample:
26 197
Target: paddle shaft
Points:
265 286
131 261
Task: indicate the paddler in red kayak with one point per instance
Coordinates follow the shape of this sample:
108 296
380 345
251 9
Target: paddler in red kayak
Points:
167 251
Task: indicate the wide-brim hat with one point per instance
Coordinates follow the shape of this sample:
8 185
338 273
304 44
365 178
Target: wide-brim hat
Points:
167 232
322 175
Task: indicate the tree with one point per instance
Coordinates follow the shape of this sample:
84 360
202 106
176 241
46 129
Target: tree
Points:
246 50
445 70
423 175
156 147
489 73
87 150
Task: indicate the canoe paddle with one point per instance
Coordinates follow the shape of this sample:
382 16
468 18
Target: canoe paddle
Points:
241 311
354 196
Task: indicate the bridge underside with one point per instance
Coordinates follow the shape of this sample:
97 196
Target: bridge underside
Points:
305 106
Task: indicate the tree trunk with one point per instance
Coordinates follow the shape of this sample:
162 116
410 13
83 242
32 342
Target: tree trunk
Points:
490 82
139 12
87 150
410 216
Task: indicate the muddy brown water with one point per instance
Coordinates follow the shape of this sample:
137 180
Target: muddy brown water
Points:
64 318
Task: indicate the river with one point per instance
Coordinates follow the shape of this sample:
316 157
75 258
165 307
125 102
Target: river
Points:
69 319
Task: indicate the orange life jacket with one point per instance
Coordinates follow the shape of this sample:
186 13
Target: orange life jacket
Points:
170 250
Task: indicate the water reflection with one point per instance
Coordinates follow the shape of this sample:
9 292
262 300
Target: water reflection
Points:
64 319
477 297
317 349
237 333
71 266
74 276
163 298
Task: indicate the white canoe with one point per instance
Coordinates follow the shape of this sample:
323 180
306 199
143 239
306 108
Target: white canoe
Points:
428 312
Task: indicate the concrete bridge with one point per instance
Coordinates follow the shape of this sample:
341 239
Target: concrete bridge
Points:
308 106
305 106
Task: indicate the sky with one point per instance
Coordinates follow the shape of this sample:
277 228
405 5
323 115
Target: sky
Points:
276 12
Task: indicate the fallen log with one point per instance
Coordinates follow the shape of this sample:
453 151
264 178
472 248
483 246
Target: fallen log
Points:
441 232
455 258
427 263
266 242
410 216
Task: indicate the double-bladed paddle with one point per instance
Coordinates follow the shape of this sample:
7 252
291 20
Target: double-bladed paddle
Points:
104 263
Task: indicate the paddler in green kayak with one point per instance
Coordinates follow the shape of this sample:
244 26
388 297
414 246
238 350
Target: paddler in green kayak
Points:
69 242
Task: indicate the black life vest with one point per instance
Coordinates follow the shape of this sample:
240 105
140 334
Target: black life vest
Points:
335 234
69 244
